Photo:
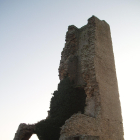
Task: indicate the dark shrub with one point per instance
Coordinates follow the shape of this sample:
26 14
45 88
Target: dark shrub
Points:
64 103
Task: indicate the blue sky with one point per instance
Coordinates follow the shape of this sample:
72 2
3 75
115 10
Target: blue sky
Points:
32 36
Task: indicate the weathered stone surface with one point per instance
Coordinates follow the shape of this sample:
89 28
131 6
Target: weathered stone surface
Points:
24 132
80 124
88 60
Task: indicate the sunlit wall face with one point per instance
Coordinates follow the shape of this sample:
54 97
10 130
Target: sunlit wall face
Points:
32 36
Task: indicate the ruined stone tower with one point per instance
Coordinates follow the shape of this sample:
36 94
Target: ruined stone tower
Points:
88 61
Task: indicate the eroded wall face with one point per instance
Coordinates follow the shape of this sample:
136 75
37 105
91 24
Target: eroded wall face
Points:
77 62
88 60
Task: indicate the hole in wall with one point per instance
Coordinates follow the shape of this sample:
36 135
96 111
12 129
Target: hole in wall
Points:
34 137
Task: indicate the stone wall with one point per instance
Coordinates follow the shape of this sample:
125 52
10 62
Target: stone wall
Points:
88 60
25 131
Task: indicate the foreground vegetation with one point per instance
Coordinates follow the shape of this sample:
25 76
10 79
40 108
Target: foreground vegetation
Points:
66 101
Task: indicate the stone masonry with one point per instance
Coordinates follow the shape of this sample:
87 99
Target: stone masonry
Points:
24 132
88 60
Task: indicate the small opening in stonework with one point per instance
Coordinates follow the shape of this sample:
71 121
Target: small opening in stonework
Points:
34 137
76 138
